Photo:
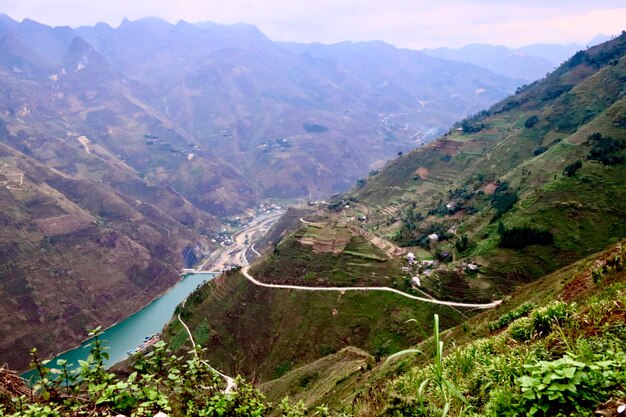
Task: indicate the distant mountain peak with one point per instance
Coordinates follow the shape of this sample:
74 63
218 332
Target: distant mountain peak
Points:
150 24
81 55
598 39
18 59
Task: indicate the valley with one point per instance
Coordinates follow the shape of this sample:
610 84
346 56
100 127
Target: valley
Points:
362 229
116 176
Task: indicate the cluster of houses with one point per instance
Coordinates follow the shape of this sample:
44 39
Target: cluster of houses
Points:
268 208
426 267
417 267
223 238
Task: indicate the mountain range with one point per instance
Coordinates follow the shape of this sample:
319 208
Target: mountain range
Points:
123 152
522 202
122 147
528 63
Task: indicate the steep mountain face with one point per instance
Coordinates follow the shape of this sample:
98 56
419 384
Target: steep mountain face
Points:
296 119
299 123
502 60
523 188
507 196
92 226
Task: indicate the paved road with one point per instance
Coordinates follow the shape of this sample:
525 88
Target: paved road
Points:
230 255
250 278
236 254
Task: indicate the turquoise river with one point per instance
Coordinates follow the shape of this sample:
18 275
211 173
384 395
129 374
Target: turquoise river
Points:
129 333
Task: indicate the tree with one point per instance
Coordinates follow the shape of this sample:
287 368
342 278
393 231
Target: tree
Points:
571 169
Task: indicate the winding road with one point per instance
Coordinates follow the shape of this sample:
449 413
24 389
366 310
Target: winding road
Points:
250 278
240 249
236 254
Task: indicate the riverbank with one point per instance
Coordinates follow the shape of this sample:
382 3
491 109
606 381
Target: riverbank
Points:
115 337
129 333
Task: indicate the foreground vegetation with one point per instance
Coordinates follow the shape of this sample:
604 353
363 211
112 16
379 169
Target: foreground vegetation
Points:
160 382
555 348
548 358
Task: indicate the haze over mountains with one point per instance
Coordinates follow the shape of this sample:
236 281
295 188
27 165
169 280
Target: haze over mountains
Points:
262 107
129 153
527 63
120 147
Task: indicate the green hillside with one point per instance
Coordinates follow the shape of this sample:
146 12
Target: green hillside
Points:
523 188
555 349
524 202
262 333
512 194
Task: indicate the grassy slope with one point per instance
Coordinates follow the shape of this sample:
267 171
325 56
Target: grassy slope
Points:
482 363
584 212
357 263
262 333
485 365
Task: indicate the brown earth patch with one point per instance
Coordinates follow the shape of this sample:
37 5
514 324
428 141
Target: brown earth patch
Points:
62 225
449 147
326 239
458 215
577 286
422 172
490 188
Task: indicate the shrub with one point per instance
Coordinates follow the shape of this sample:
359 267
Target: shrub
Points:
503 199
520 237
531 121
567 386
522 329
605 149
545 318
462 244
571 169
509 317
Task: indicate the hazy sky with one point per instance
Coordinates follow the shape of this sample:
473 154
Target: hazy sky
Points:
404 23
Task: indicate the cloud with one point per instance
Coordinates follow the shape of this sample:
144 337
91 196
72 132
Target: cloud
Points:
404 23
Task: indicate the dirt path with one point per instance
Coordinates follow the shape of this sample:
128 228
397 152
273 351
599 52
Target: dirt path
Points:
230 382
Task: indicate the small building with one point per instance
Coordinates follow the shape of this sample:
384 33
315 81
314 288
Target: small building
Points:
410 257
416 281
427 263
472 267
434 237
428 272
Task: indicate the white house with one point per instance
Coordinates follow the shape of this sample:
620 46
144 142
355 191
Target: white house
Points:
416 281
410 257
434 237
